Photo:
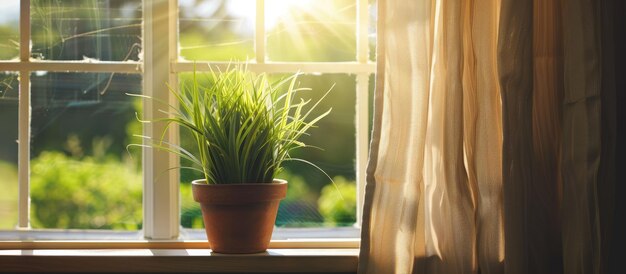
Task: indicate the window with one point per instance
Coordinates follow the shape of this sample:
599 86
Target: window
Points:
77 59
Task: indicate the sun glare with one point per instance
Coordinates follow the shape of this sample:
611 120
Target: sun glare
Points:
300 26
275 10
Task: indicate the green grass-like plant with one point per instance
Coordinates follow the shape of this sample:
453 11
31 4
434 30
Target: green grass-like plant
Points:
244 125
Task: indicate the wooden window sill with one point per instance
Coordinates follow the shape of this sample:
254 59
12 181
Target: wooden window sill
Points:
337 260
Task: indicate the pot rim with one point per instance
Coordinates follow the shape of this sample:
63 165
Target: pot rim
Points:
230 194
201 182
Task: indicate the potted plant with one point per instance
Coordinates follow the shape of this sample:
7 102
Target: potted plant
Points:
244 127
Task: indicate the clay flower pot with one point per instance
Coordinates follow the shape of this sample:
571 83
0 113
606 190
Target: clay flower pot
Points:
239 218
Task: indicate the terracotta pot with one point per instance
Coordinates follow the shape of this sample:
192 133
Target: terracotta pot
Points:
239 218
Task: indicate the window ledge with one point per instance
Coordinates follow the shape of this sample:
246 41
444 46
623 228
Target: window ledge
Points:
179 260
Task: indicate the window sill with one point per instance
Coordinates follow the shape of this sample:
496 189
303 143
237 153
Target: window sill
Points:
179 260
279 234
309 250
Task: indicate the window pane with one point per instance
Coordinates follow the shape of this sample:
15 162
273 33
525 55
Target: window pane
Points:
217 30
8 149
312 201
9 87
108 30
81 173
370 103
9 30
308 30
373 12
191 216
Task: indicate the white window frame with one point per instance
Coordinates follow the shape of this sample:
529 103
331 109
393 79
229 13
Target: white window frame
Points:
161 62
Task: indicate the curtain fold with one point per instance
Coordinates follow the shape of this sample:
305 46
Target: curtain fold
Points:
607 176
581 136
393 231
482 129
493 141
515 68
449 216
544 190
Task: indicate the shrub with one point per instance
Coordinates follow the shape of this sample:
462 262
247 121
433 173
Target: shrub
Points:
84 194
191 214
8 195
338 207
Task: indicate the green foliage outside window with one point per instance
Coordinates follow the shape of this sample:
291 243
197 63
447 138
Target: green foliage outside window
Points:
339 207
8 196
86 193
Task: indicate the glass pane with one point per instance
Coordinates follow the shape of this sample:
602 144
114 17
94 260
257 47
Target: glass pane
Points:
191 216
8 149
108 30
82 175
217 30
312 201
9 30
9 87
373 11
370 103
308 30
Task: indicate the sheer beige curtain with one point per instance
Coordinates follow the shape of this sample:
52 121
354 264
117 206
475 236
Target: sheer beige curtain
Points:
488 153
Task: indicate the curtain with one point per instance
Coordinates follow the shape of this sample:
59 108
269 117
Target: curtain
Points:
493 141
